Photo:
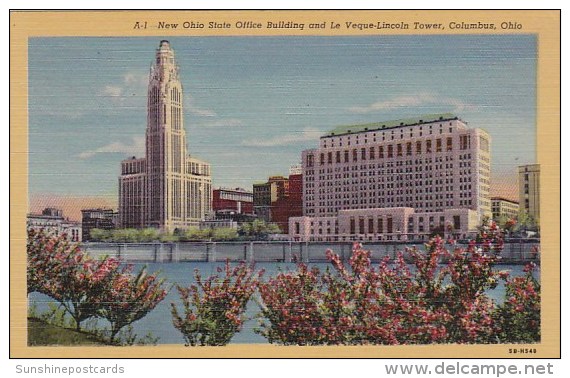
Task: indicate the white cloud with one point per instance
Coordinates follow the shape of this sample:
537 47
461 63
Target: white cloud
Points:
306 134
230 122
131 84
112 91
136 148
191 107
136 79
413 100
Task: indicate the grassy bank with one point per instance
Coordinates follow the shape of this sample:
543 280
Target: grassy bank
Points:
41 333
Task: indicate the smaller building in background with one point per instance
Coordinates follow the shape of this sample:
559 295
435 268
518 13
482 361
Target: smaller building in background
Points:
238 201
296 169
266 194
280 198
218 223
290 205
502 207
104 219
52 221
529 190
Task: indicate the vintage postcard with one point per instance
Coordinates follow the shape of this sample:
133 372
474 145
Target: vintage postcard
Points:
285 184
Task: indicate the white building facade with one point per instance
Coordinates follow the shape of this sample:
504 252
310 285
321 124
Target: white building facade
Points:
418 175
52 221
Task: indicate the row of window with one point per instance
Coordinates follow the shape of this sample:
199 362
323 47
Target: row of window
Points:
391 151
373 135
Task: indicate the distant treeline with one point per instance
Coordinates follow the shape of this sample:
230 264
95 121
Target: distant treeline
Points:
256 230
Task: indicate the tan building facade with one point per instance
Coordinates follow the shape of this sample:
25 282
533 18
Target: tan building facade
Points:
429 164
529 190
502 207
168 189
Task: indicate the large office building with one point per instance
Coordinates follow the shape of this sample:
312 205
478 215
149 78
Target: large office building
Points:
529 190
395 180
167 189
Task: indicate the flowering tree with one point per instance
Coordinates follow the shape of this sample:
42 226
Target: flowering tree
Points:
44 253
439 297
292 303
519 315
86 287
62 271
129 298
214 307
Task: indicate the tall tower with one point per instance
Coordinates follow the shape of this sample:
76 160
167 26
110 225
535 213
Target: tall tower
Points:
168 189
165 142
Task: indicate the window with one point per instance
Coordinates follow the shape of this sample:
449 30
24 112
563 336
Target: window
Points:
363 153
381 151
372 153
361 226
418 148
399 149
389 225
309 160
464 142
409 149
390 151
297 228
370 225
346 156
456 222
438 145
338 156
329 157
428 146
380 225
352 226
322 158
354 155
449 144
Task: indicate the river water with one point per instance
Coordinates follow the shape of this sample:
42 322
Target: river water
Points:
159 321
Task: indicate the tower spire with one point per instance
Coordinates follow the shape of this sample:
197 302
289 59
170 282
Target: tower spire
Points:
173 198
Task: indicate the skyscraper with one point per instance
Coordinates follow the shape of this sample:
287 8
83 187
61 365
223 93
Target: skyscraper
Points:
167 189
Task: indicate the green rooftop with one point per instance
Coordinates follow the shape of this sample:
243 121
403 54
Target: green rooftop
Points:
383 125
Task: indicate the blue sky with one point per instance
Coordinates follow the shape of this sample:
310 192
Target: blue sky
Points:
252 104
